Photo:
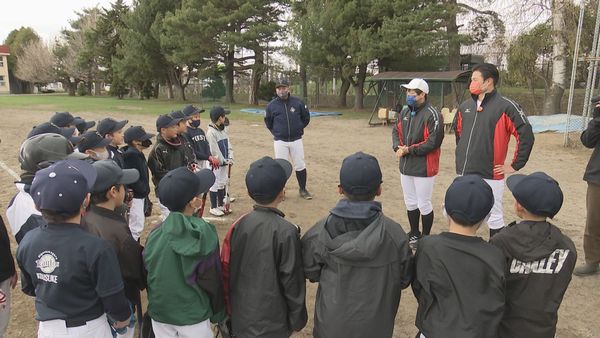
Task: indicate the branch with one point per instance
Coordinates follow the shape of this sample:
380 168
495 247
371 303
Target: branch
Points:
478 11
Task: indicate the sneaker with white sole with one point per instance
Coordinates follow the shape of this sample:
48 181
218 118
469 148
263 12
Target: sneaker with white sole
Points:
216 212
222 208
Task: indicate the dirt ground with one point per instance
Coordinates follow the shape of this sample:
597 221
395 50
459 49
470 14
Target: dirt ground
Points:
327 141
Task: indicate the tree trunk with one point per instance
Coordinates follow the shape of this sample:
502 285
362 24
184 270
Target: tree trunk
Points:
182 90
531 86
258 69
359 87
317 92
343 92
170 95
303 83
97 88
452 36
559 60
229 65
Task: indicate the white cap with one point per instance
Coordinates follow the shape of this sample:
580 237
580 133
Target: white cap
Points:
417 84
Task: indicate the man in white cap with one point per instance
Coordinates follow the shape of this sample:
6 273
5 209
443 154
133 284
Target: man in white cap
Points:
416 139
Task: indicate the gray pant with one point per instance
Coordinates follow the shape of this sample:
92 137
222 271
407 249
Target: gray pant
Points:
591 237
5 308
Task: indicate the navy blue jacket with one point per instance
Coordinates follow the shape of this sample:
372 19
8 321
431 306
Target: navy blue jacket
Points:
135 159
197 139
286 119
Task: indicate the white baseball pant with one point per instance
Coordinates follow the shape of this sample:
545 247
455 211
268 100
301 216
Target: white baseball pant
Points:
5 308
136 217
96 328
220 178
496 220
293 152
200 330
417 193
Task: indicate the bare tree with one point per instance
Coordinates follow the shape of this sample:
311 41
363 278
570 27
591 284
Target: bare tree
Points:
559 60
36 64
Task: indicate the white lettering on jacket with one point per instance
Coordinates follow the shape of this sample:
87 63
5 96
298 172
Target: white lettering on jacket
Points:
548 265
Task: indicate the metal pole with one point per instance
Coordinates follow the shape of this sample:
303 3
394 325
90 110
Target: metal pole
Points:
591 67
573 75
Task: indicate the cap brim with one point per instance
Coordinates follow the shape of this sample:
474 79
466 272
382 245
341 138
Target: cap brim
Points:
89 125
129 176
120 125
287 167
77 120
67 132
227 111
281 85
406 86
147 136
75 139
207 179
102 144
513 180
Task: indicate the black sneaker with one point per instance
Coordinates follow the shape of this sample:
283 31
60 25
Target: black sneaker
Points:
305 194
413 240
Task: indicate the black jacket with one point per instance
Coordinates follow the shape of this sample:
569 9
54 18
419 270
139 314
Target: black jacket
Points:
459 286
262 263
7 263
116 155
135 159
197 140
482 137
540 261
423 133
286 119
362 261
166 156
591 139
111 226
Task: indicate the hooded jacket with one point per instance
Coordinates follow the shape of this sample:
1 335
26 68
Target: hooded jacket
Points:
264 280
422 130
168 155
540 261
185 285
459 286
483 135
286 119
590 138
362 261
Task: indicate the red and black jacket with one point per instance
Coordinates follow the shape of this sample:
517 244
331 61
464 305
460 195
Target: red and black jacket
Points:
423 132
482 135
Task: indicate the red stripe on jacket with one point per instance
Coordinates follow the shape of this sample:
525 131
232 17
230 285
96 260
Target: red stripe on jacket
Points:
504 128
433 157
399 129
225 260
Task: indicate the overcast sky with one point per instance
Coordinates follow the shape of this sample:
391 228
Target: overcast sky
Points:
47 18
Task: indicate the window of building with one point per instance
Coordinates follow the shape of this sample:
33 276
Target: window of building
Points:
1 61
2 84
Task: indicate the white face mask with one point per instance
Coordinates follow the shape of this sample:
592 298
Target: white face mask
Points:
100 156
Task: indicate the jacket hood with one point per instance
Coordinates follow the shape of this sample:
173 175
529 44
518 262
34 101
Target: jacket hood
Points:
184 234
531 240
354 233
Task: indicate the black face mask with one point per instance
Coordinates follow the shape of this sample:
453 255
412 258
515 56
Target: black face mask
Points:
221 126
146 143
195 123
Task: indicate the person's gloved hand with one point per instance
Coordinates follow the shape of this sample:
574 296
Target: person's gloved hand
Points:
214 162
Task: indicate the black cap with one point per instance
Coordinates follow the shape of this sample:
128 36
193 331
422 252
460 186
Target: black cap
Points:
468 200
109 174
63 186
190 110
165 121
51 128
539 193
596 99
110 125
282 83
84 125
266 178
178 114
218 111
64 119
92 139
179 186
360 174
136 133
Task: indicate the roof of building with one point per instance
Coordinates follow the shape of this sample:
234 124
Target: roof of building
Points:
4 49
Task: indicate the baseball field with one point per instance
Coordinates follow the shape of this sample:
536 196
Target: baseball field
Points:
327 141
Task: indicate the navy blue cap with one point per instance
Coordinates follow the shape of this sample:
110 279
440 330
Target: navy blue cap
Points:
51 128
65 119
468 200
178 114
282 83
266 178
63 186
596 99
538 193
218 111
84 125
110 174
110 125
92 139
190 110
360 174
179 186
165 121
136 133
